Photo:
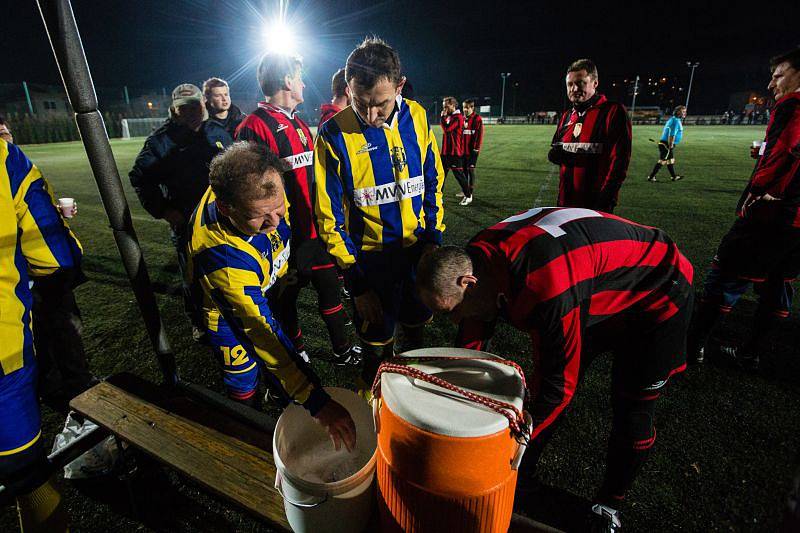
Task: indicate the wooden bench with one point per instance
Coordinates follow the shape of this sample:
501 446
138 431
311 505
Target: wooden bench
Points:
229 459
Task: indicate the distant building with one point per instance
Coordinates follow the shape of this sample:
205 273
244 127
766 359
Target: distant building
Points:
44 99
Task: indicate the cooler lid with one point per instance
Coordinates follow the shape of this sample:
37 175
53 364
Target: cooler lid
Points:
444 412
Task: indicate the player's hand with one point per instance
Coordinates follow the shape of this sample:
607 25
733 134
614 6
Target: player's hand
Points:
339 425
369 307
754 152
752 199
175 218
74 210
556 154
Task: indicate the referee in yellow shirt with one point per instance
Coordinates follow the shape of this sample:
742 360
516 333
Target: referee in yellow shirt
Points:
378 199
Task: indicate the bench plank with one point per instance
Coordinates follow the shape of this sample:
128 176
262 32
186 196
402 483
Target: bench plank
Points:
235 470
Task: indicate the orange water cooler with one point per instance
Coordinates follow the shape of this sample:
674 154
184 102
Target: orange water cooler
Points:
447 457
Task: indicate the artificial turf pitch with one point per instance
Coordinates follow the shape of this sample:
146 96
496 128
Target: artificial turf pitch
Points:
727 441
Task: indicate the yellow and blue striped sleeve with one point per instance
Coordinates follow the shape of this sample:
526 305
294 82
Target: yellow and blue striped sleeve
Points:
46 240
233 280
329 201
432 205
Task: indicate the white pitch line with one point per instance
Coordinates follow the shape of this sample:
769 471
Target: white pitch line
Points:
545 186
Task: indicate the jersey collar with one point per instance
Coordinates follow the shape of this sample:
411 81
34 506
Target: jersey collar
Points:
277 109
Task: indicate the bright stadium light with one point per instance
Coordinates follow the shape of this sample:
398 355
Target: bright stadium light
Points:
278 37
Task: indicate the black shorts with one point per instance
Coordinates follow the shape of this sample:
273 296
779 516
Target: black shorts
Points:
452 162
645 353
392 275
310 255
665 153
471 160
756 251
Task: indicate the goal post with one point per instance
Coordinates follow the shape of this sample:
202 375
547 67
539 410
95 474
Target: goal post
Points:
140 127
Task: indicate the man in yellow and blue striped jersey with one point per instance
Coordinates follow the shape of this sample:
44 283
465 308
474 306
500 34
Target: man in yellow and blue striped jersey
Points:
35 242
238 248
378 198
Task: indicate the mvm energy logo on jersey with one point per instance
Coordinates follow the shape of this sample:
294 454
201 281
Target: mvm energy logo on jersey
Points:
300 160
389 192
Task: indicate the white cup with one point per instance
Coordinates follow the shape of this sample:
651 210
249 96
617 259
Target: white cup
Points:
66 205
757 144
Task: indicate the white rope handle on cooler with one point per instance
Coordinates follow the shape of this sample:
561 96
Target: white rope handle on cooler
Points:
518 422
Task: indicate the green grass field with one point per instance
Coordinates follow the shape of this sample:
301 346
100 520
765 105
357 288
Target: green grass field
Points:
728 441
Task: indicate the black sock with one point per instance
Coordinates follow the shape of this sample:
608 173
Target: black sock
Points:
655 170
764 324
706 317
671 169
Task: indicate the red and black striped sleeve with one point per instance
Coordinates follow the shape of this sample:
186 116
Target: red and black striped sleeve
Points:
556 329
477 134
618 127
779 164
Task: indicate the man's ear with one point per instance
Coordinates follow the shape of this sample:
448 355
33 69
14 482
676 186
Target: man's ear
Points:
466 281
400 85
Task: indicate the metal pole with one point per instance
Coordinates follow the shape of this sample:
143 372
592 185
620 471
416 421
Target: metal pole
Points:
127 98
635 92
59 21
691 79
504 75
27 96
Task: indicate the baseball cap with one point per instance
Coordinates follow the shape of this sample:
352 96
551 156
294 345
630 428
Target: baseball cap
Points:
186 93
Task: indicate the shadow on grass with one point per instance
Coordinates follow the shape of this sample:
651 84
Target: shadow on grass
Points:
553 506
153 499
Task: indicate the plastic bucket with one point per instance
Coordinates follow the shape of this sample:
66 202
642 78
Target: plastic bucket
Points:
325 491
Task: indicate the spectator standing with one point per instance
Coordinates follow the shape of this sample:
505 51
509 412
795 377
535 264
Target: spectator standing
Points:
170 175
219 106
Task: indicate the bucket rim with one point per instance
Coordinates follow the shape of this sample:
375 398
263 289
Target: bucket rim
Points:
333 488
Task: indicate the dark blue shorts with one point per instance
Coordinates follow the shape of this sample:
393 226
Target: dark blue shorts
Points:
20 422
391 274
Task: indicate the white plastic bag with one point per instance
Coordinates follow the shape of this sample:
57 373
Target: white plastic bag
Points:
97 461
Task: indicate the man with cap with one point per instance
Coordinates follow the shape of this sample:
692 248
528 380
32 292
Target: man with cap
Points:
170 174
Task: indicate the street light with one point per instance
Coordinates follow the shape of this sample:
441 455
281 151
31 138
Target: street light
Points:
691 65
504 75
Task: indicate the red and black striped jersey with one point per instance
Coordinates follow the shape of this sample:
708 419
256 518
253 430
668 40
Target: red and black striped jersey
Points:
473 133
288 136
452 136
596 141
326 111
560 271
777 171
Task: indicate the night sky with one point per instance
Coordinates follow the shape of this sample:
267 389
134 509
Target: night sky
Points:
446 47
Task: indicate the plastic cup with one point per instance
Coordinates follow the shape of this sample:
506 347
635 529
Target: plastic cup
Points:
757 144
66 205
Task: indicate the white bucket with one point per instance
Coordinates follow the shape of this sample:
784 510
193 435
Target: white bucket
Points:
325 491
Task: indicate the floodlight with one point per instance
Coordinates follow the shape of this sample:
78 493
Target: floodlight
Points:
278 37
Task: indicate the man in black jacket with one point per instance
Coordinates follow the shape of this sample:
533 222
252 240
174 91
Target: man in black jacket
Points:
170 174
220 108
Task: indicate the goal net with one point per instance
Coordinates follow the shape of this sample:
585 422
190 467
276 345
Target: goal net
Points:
139 127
